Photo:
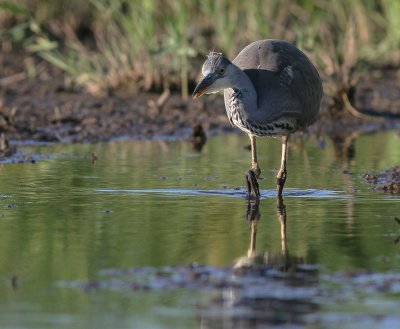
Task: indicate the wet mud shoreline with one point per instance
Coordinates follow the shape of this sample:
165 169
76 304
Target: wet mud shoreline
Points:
45 108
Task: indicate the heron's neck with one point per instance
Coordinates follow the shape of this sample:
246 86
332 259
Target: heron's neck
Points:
244 91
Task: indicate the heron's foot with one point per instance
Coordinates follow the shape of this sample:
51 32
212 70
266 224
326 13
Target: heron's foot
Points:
253 189
280 181
256 170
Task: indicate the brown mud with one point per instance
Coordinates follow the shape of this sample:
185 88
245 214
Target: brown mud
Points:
386 181
46 108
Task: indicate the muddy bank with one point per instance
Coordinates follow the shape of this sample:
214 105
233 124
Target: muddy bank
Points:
48 108
386 181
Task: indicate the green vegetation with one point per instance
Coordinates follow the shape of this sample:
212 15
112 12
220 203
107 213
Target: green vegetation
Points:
158 44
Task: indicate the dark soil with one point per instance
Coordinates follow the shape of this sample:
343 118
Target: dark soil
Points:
46 108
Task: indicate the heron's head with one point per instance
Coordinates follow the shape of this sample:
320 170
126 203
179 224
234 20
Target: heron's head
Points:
215 71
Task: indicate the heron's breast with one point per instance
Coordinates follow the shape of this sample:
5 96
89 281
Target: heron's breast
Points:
273 128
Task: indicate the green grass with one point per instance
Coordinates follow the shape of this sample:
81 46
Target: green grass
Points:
154 45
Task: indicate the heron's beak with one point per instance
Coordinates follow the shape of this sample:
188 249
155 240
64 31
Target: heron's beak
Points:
201 88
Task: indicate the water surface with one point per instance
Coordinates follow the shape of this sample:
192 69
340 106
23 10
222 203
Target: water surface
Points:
67 218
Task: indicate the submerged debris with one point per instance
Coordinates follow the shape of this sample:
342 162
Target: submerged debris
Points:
198 137
260 294
10 154
195 276
387 180
5 149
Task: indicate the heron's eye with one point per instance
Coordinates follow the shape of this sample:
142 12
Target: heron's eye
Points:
222 70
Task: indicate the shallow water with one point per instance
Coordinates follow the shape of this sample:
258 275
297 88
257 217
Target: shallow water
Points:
66 218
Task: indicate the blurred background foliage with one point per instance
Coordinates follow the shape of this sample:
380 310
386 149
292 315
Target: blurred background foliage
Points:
153 45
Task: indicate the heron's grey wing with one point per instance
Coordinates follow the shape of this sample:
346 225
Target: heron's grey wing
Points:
307 88
280 74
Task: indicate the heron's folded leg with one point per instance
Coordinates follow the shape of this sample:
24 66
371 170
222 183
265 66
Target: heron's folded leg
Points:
281 177
254 164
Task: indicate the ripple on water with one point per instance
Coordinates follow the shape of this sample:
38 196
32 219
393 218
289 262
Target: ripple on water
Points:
234 193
